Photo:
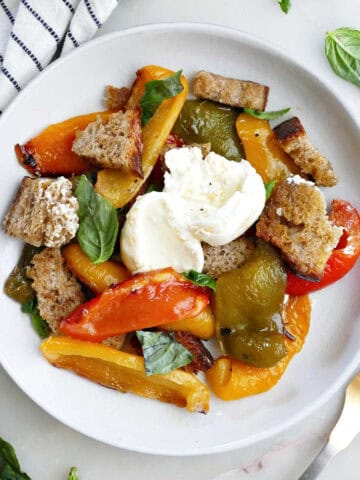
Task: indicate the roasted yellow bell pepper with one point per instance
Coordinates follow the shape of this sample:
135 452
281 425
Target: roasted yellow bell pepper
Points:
202 326
262 150
125 372
98 277
119 187
232 379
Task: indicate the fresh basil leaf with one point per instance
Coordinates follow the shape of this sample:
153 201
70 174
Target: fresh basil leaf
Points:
342 48
200 279
38 323
269 186
162 353
9 464
98 223
158 90
75 179
266 115
73 474
285 5
153 187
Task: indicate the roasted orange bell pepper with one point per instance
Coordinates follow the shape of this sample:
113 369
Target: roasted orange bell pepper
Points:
125 372
232 379
262 150
119 187
98 277
343 258
49 154
146 300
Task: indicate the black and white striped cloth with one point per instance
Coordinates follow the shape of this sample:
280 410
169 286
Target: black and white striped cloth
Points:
33 31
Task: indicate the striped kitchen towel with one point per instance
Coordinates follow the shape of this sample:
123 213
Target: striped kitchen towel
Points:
32 32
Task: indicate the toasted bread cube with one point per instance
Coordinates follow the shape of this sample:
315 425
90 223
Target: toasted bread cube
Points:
115 342
230 91
43 212
227 257
295 221
293 138
116 98
57 290
115 144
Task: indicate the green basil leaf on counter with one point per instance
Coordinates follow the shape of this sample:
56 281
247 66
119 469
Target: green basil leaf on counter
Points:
9 464
73 474
158 90
200 279
285 5
98 223
269 186
266 115
342 48
38 323
162 353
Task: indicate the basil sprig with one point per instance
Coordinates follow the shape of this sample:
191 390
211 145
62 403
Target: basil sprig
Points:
38 323
342 48
98 223
269 186
158 90
9 464
266 115
285 5
200 279
73 474
162 353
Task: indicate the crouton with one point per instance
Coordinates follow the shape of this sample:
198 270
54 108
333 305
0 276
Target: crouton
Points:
295 221
115 342
116 98
43 212
57 290
292 137
221 259
115 144
230 91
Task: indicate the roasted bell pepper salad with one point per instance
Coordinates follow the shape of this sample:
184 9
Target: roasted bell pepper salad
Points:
162 222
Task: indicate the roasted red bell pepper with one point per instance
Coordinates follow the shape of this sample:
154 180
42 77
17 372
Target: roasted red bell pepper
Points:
343 258
146 300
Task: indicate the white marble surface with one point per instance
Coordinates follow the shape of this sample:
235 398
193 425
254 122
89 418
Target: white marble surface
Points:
46 448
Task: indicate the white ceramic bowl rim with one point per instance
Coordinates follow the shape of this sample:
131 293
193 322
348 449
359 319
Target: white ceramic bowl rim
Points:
232 34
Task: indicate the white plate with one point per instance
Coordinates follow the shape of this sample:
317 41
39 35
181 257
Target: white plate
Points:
74 85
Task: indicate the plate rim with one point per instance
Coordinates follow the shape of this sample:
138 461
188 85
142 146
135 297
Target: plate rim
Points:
252 40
